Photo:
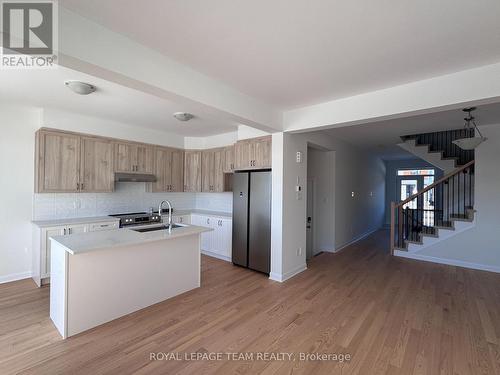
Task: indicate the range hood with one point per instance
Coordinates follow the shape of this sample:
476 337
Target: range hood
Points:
134 177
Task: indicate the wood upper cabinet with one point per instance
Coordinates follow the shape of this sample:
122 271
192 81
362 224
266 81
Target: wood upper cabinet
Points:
212 170
96 166
242 154
177 171
169 169
218 173
207 171
68 162
253 153
58 162
192 171
229 159
133 157
262 152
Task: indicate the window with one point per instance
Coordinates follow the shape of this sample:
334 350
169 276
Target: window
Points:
415 172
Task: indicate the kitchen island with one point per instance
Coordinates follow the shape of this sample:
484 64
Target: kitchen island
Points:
100 276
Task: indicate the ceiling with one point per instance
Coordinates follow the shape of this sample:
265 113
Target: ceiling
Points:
381 138
292 53
45 88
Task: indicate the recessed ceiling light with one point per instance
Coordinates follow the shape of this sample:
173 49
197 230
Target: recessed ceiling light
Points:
80 88
183 116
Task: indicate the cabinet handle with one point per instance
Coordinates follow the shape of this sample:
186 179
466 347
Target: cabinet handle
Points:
64 232
208 221
81 186
77 186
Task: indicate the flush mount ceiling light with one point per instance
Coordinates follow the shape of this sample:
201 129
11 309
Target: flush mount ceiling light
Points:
183 116
470 143
80 88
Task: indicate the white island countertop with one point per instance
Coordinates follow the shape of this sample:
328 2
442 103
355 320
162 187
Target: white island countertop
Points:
91 241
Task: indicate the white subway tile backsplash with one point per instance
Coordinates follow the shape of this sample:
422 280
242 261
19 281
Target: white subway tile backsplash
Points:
215 201
127 197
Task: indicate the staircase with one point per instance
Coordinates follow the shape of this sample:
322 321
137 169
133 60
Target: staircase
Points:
443 208
437 148
415 227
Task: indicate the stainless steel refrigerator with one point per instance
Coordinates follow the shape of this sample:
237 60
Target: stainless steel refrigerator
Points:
252 220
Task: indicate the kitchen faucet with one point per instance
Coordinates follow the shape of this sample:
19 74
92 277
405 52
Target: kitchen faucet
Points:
169 213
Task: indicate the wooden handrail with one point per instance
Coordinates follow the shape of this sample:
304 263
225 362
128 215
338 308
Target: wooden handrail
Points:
431 186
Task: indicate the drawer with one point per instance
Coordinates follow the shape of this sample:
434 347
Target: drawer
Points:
103 226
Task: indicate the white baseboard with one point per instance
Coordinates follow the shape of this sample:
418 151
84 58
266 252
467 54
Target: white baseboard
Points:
287 275
359 238
450 262
214 255
14 277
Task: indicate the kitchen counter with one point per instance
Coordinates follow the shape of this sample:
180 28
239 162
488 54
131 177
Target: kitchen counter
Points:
92 241
74 221
202 212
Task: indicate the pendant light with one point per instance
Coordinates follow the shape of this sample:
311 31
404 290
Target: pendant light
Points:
470 143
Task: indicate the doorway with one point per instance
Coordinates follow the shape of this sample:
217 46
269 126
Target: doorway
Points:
319 212
410 182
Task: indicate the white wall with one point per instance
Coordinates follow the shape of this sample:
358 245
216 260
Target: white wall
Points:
219 140
355 171
478 247
321 168
17 146
98 126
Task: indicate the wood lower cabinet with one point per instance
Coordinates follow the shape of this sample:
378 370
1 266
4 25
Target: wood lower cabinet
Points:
253 153
58 162
169 170
192 171
96 167
133 157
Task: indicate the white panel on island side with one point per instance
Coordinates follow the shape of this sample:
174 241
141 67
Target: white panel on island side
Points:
89 273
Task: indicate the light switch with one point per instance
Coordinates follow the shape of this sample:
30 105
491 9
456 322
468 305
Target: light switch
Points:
299 157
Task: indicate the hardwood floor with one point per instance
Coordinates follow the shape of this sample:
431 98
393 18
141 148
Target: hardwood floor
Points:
391 315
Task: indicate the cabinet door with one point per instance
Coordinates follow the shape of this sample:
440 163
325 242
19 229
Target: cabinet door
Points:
242 154
125 157
98 227
207 171
45 256
262 153
192 171
96 171
58 163
144 159
75 229
226 237
162 166
229 159
177 171
218 174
